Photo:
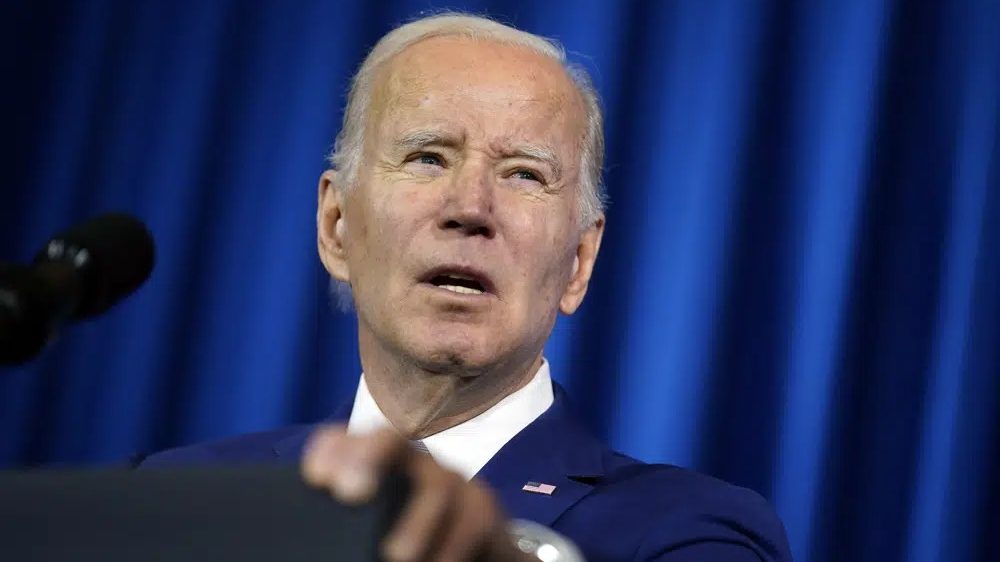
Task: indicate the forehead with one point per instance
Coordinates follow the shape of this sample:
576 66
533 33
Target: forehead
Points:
486 86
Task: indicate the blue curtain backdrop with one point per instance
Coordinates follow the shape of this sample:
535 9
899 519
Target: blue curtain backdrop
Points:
799 289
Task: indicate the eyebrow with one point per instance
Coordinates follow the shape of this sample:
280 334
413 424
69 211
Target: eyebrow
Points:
420 138
426 137
530 151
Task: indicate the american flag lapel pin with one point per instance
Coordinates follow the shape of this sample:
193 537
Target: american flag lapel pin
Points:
539 488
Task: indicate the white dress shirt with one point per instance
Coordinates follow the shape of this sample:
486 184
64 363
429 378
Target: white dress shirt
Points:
468 446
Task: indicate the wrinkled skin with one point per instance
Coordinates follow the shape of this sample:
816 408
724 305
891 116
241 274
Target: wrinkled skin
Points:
471 167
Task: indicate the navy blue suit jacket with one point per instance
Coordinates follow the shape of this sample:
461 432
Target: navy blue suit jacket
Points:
612 506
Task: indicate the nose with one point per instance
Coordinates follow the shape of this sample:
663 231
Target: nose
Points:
468 203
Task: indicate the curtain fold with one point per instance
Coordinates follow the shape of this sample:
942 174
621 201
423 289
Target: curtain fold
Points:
799 288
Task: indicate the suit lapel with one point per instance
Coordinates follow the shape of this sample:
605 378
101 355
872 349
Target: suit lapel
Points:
555 450
290 448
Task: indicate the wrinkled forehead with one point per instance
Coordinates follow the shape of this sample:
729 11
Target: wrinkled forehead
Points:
482 86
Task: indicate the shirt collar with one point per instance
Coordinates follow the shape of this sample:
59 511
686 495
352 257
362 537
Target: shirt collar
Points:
468 446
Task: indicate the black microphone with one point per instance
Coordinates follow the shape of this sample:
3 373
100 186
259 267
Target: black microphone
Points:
79 273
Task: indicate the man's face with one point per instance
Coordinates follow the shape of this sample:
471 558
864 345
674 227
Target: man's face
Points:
462 238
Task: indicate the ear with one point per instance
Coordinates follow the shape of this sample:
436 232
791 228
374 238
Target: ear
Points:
583 267
331 228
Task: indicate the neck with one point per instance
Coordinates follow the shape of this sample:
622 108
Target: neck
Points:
420 401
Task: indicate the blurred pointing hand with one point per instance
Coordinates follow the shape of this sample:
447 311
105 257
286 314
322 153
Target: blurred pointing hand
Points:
446 517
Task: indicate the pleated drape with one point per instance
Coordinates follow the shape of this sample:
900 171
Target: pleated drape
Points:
799 289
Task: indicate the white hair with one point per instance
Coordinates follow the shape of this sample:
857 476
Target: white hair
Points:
349 145
348 148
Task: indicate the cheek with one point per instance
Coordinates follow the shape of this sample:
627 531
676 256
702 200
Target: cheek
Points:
546 252
372 241
393 218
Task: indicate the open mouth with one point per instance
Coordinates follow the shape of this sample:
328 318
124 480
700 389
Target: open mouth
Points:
461 281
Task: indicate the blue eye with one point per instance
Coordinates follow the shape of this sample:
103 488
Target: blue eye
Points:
429 159
526 175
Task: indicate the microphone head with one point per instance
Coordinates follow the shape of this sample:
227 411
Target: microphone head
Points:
113 254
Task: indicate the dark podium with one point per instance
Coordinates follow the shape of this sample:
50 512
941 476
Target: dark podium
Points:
246 513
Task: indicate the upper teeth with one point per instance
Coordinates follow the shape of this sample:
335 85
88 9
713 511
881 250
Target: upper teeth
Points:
461 289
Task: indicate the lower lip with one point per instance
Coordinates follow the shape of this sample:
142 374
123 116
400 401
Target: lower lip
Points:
481 297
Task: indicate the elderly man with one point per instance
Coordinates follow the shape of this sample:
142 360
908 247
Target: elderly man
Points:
463 211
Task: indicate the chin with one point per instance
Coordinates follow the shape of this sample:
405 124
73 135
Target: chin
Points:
456 353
